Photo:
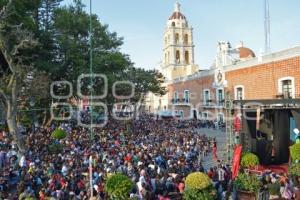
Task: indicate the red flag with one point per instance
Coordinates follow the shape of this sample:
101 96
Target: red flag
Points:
236 160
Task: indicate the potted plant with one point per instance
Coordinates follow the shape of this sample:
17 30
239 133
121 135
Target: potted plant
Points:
294 172
294 169
118 186
247 186
295 152
274 189
198 186
249 160
58 134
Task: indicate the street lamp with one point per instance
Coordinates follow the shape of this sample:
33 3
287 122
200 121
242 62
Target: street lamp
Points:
32 104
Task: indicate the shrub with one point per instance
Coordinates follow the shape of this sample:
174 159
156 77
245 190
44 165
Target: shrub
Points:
197 180
204 194
295 152
245 182
249 160
198 186
55 148
118 186
59 134
274 188
294 169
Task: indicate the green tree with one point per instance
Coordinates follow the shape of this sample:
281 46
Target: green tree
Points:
144 81
16 44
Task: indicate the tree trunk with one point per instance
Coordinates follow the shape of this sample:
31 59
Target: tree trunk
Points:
11 118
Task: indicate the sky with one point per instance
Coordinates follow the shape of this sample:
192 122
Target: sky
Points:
142 24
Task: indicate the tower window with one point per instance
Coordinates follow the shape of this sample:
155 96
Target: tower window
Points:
166 58
177 57
187 57
186 39
173 24
177 38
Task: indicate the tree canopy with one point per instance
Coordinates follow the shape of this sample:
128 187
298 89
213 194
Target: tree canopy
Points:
42 41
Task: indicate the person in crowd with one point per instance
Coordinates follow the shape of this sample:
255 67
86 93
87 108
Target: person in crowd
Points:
156 154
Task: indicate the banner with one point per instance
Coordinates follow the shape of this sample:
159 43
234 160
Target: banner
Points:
236 161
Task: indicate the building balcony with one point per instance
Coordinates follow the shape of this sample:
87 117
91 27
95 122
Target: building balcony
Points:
180 101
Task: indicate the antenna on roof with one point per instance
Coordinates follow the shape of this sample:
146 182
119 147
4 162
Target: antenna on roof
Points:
267 27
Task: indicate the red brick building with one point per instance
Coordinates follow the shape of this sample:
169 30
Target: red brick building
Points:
202 95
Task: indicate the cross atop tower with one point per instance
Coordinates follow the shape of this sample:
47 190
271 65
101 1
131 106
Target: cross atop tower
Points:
177 6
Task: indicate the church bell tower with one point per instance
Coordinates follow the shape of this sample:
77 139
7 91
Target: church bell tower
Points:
178 51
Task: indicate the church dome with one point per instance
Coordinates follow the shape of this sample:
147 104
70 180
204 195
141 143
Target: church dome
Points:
177 15
246 52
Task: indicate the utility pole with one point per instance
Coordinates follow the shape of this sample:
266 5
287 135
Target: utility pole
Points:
229 128
267 27
91 100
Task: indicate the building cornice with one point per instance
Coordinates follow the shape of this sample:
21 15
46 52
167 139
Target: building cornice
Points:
253 62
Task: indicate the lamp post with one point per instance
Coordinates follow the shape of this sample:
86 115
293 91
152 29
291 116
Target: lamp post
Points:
32 104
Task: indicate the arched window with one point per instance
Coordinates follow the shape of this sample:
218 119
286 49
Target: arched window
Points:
173 24
168 60
177 57
177 38
187 57
186 39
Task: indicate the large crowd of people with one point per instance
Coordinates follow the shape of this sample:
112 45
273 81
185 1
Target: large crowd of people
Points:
155 154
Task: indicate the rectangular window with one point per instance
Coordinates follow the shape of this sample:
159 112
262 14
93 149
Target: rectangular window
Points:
175 97
220 97
239 93
186 96
206 97
287 89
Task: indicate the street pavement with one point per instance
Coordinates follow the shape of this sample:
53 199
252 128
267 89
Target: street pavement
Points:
220 136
